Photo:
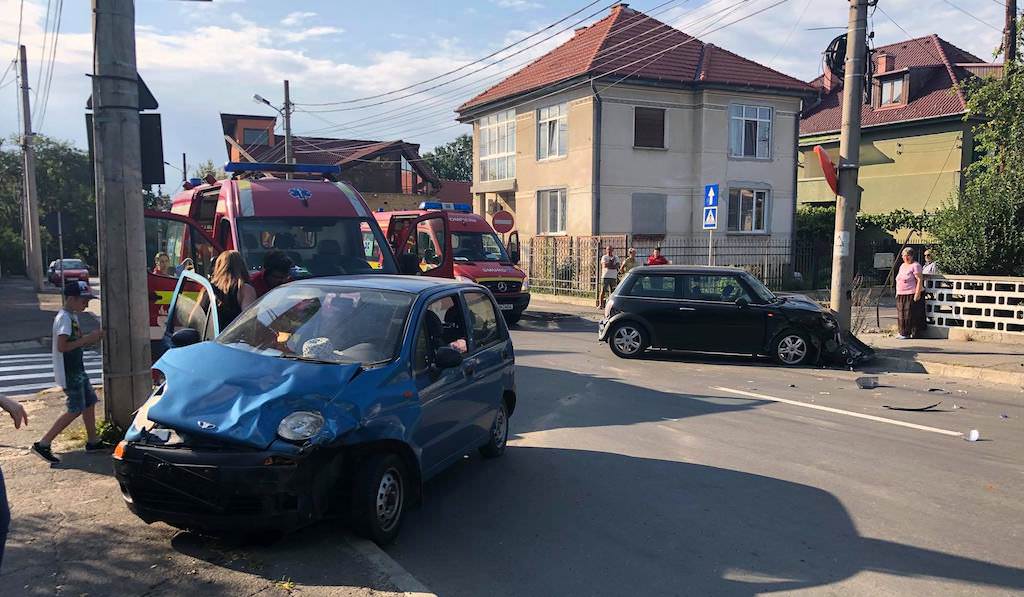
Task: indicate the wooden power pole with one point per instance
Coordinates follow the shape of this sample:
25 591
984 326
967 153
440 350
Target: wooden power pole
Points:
1010 33
119 212
288 151
30 213
848 198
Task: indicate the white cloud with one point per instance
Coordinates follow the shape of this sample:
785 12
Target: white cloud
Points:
295 18
518 4
312 32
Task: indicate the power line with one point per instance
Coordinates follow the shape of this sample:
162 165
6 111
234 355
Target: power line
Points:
52 63
785 43
973 16
42 53
455 70
909 35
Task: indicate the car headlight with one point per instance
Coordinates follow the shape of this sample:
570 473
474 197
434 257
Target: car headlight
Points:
300 425
830 322
526 284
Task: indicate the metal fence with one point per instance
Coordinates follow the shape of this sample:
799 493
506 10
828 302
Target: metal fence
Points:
570 265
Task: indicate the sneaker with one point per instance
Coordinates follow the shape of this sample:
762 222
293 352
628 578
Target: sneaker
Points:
45 453
900 337
99 446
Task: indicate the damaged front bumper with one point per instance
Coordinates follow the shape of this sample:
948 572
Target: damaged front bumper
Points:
843 348
227 489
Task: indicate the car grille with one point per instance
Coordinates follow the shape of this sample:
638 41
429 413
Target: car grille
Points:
188 501
503 286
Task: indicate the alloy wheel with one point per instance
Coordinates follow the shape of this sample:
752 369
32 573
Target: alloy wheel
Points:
792 349
627 339
389 499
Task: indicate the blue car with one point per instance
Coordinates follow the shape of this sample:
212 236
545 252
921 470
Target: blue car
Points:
331 397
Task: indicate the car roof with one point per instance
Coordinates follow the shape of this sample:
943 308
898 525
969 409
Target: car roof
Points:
401 283
687 269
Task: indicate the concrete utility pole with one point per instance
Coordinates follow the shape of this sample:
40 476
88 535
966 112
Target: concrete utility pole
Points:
120 223
1010 32
848 199
184 167
288 157
30 214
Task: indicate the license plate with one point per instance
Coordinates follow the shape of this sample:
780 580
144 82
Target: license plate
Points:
506 307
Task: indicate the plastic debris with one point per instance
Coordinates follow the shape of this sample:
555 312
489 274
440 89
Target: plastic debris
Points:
867 383
1004 416
825 393
921 409
792 385
936 390
973 435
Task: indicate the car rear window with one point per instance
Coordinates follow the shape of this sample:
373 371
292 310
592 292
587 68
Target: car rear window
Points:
654 286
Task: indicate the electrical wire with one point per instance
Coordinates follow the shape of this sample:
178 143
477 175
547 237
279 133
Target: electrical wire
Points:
52 63
785 43
42 53
985 23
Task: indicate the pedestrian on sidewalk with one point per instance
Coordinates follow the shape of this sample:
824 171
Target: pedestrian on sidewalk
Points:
656 258
17 412
930 265
909 296
629 262
69 370
609 275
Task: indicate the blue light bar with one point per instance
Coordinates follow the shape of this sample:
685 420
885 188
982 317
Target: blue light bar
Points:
292 168
196 181
465 207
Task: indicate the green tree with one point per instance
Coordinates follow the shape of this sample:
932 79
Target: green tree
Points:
453 160
982 230
157 200
208 167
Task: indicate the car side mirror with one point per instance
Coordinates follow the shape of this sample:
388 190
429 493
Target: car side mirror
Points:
408 264
184 337
447 357
742 302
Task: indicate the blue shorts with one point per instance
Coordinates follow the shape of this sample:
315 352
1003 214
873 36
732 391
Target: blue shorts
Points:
80 396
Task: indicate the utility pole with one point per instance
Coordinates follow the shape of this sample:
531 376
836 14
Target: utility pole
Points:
1010 33
288 158
184 167
848 198
30 215
115 93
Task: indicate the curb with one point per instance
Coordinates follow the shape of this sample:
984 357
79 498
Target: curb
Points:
403 581
905 365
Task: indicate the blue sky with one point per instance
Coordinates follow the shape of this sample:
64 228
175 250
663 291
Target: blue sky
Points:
203 58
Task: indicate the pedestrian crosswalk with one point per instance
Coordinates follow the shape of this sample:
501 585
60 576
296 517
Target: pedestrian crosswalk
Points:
31 372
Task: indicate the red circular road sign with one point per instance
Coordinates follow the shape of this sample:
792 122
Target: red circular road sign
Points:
828 168
503 222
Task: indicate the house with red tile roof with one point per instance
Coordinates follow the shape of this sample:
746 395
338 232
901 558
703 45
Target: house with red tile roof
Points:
618 129
389 174
914 141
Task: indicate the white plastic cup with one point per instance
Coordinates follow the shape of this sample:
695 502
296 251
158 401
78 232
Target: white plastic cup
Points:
973 436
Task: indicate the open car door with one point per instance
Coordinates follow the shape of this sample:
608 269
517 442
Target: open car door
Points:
422 246
174 244
192 316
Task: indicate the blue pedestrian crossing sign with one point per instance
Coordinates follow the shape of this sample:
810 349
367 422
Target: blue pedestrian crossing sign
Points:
710 217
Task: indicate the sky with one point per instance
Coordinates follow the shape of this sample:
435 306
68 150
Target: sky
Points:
203 58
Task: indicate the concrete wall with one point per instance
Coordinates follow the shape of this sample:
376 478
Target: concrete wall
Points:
911 167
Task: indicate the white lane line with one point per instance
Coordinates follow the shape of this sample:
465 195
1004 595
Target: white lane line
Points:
44 366
839 411
38 355
35 387
42 375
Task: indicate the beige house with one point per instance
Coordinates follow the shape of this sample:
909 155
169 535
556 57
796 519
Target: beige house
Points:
619 129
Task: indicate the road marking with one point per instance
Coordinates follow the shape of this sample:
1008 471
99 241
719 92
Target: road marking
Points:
42 375
399 576
38 355
839 411
44 366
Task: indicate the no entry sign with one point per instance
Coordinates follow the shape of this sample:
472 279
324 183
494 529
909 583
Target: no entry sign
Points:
503 222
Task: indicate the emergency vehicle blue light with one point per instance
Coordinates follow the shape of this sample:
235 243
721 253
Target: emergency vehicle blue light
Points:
452 206
293 168
195 181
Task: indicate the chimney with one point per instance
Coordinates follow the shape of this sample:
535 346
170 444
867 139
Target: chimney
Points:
829 80
623 7
884 62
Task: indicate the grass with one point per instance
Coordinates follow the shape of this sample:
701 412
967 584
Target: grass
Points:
285 584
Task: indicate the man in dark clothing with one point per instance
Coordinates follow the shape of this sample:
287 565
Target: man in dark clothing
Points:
277 270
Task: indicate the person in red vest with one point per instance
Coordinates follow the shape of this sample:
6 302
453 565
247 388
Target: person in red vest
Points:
656 258
276 271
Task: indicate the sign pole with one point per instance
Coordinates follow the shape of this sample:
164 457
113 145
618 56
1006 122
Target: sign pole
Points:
709 217
711 233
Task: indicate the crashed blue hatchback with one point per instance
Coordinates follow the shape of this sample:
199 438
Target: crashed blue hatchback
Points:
332 397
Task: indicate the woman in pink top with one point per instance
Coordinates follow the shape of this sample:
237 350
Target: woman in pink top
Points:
909 301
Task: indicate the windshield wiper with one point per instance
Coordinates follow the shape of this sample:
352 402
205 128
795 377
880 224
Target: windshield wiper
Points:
299 357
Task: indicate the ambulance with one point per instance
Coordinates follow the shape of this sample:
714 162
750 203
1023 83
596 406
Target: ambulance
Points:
448 240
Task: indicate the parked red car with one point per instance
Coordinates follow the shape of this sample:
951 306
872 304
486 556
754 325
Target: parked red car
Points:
74 269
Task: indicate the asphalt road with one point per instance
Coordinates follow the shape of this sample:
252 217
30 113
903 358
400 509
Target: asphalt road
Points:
682 475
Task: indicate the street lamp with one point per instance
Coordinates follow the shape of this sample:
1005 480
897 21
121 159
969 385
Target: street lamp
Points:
286 114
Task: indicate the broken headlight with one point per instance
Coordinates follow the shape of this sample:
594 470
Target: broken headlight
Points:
300 425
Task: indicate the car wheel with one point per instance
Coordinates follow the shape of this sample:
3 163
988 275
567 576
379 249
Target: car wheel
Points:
379 492
791 348
512 318
627 340
498 439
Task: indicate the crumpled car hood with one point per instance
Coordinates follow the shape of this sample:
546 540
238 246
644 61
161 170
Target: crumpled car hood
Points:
240 397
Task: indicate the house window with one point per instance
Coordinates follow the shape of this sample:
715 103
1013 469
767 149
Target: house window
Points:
255 136
750 131
498 146
892 91
552 131
649 213
551 211
747 210
649 127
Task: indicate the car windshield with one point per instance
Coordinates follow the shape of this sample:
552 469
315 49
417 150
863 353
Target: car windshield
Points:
477 246
323 324
70 264
319 246
760 290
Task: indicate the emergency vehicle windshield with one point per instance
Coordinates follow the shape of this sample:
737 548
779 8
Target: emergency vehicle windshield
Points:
321 246
478 246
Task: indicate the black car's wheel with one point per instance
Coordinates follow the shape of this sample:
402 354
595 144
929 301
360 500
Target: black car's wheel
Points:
512 318
379 490
498 438
627 340
791 348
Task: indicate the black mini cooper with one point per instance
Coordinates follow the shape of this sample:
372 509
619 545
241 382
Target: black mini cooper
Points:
722 310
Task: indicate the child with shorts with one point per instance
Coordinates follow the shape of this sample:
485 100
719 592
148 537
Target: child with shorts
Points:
69 370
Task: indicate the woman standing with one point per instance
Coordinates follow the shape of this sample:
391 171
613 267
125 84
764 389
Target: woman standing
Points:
909 300
230 281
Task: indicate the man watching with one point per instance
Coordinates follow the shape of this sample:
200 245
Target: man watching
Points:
277 270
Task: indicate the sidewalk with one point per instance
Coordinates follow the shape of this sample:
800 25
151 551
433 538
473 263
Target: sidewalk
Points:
27 316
